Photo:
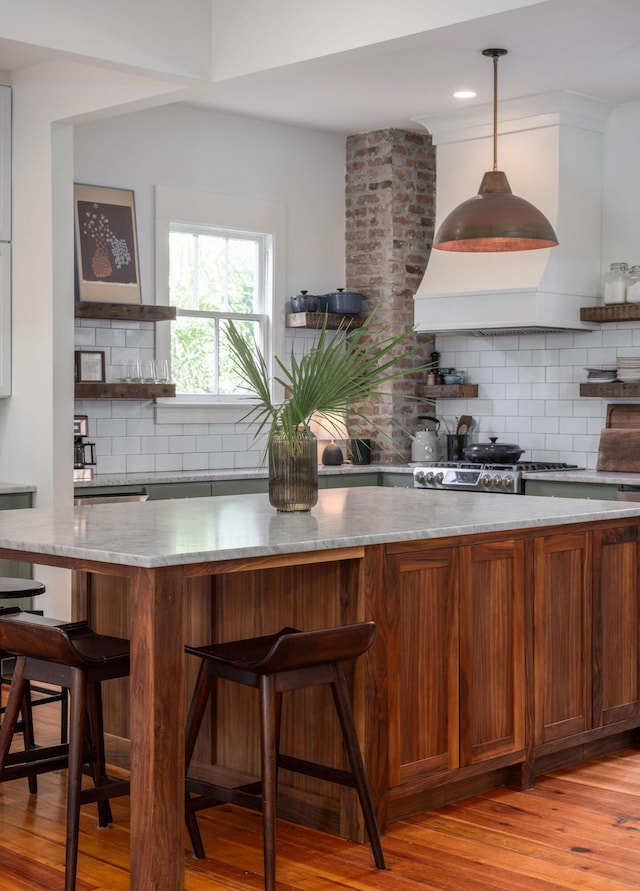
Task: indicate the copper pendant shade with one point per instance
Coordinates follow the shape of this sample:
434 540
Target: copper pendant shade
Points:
495 219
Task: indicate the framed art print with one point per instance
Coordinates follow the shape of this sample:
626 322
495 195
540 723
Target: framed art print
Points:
106 245
90 366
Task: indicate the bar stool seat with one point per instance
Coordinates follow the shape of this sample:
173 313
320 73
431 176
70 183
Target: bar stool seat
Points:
70 655
275 664
15 589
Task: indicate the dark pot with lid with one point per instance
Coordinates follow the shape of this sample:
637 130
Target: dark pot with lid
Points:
493 452
344 302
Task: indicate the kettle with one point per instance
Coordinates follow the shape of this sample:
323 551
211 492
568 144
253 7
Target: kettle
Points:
425 445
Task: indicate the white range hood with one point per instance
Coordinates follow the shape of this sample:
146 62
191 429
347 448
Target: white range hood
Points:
550 147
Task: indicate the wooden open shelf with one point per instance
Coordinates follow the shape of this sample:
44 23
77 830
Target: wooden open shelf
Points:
316 320
90 390
620 312
611 389
127 312
448 391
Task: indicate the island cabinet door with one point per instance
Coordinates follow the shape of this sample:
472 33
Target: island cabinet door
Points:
562 636
616 631
422 612
492 655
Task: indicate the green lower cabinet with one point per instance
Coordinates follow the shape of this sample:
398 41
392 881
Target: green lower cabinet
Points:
167 491
239 487
397 480
554 488
342 480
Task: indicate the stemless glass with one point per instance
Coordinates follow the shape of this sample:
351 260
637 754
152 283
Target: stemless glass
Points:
162 371
148 371
133 371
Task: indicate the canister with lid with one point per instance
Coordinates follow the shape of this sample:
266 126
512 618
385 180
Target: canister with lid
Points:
633 285
614 285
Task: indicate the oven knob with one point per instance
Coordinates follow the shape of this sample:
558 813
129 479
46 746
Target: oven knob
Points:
485 481
507 482
430 477
420 477
438 478
497 481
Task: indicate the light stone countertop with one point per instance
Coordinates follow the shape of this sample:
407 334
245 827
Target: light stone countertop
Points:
243 473
183 531
187 476
16 488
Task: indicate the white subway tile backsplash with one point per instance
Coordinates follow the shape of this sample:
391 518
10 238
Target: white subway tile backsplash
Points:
195 461
125 445
154 445
113 464
573 425
544 391
518 391
528 392
166 463
182 444
111 427
140 464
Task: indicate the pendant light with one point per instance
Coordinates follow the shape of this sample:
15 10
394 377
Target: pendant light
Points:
495 219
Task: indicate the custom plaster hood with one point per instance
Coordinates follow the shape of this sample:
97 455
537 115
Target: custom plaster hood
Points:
550 147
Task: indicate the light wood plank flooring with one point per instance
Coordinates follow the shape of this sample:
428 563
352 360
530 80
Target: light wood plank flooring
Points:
578 829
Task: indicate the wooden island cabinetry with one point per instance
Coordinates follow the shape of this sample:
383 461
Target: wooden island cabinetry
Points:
498 656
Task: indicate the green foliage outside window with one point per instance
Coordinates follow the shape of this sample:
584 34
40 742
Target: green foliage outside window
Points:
211 278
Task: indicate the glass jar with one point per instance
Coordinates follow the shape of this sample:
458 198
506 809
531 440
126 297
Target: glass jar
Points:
614 284
633 285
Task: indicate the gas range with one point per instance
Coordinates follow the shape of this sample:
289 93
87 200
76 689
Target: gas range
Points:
502 479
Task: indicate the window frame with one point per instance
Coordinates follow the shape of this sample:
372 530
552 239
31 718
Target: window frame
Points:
228 214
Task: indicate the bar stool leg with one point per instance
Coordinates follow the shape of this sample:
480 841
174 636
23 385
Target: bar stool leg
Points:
96 735
201 694
269 709
345 713
28 736
12 710
78 692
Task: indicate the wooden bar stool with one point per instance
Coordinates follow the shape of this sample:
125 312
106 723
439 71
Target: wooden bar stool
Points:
17 589
70 655
275 664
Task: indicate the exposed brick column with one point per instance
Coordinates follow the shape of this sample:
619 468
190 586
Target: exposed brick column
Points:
390 210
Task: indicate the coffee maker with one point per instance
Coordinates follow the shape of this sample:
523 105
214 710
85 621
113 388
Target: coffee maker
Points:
84 453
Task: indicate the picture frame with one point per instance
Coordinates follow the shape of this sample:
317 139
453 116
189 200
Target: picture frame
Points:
90 366
106 245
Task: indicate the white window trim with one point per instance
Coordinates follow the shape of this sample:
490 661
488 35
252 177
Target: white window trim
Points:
224 212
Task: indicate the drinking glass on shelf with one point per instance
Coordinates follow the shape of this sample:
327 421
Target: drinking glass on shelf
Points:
148 371
162 371
133 371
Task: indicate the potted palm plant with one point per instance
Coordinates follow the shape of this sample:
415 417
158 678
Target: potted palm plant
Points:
328 383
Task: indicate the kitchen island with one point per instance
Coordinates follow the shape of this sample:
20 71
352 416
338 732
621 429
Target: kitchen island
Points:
507 637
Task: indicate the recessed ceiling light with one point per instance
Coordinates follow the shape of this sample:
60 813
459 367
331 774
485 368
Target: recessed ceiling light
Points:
464 94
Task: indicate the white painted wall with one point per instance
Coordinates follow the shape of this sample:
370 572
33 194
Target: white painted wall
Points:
35 423
195 149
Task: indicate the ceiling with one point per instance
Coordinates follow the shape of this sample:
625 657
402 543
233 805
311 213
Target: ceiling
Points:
586 46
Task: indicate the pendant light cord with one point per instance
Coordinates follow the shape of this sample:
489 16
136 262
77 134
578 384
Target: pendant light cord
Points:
495 111
495 55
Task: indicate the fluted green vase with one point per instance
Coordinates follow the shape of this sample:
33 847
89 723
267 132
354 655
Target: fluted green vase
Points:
293 474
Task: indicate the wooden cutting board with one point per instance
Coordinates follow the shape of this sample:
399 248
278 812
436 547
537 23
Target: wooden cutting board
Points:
623 415
619 449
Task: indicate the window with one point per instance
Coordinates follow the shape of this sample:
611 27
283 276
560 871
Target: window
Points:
218 257
215 275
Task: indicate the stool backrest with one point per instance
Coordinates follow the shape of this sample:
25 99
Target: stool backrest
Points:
54 640
298 649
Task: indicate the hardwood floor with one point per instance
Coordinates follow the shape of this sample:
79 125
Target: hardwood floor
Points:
578 829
